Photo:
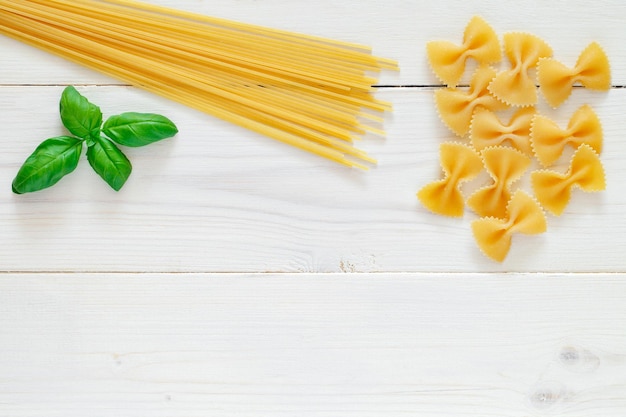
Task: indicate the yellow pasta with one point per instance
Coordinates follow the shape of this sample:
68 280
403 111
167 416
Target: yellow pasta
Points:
460 163
553 189
456 106
507 148
515 86
592 70
505 166
306 91
493 235
549 140
447 59
487 130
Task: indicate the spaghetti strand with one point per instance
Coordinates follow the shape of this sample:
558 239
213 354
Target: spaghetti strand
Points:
307 91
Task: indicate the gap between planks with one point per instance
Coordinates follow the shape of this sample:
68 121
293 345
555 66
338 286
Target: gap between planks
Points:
346 275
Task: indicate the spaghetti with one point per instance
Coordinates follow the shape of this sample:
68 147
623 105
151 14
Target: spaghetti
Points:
310 92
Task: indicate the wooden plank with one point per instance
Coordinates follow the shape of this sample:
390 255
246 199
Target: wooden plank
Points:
203 287
218 198
147 345
398 29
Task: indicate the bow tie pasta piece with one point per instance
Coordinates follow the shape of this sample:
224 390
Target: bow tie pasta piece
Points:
592 70
553 189
515 86
456 107
549 140
494 235
447 59
505 166
487 130
459 163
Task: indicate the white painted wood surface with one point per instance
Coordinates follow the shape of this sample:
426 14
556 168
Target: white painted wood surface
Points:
109 345
237 276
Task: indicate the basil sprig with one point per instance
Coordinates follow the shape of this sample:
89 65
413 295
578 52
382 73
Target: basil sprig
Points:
56 157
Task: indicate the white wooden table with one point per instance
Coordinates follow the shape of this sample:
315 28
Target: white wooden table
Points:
237 276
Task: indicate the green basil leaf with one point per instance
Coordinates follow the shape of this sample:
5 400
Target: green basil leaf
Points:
138 129
109 162
78 115
53 159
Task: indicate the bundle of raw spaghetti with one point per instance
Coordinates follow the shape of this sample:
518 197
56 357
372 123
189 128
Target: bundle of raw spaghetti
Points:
310 92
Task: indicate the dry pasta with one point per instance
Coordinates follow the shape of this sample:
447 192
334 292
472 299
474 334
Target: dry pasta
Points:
488 130
447 59
592 70
549 140
460 163
515 86
507 148
456 106
493 235
553 189
307 91
505 166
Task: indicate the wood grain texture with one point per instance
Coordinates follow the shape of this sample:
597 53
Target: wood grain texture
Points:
150 345
237 276
217 198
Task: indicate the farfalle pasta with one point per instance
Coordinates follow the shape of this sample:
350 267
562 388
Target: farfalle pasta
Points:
549 140
506 149
515 86
459 163
505 166
524 215
456 106
592 70
447 59
488 130
553 189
